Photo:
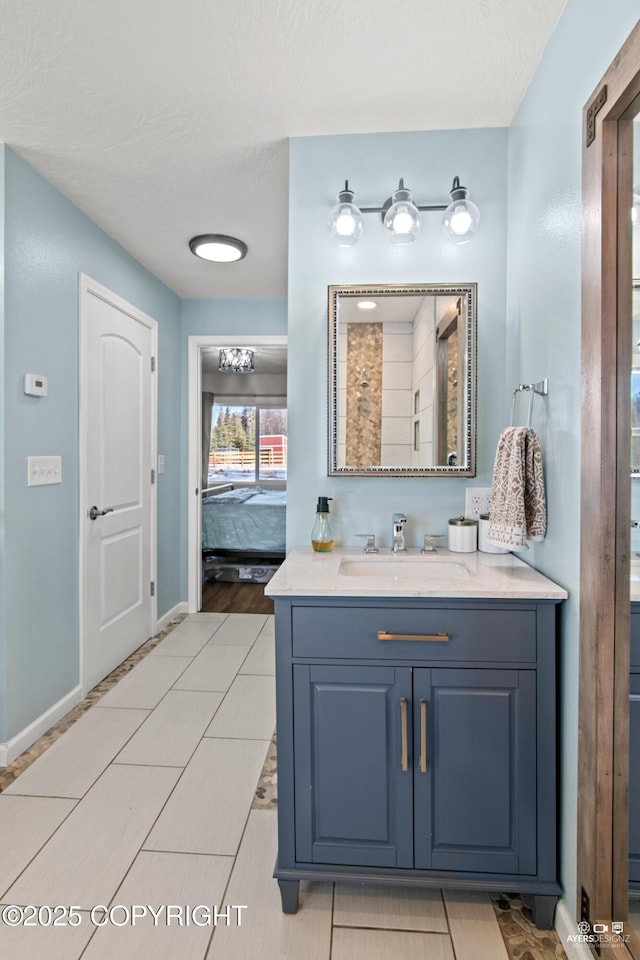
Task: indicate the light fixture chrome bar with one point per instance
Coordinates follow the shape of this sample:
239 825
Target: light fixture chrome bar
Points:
428 206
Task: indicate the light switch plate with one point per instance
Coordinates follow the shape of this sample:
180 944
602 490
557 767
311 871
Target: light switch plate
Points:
43 470
477 501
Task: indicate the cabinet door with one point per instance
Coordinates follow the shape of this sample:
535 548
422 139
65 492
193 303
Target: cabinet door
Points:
634 778
353 799
475 790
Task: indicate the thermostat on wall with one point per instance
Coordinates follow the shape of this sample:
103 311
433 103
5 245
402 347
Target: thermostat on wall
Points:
36 385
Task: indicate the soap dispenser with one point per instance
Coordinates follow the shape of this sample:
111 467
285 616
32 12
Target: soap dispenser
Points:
322 533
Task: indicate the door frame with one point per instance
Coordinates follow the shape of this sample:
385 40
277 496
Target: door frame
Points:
89 287
194 433
605 491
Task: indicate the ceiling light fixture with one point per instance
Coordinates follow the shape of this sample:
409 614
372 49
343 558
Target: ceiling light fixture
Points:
401 216
367 305
236 360
218 248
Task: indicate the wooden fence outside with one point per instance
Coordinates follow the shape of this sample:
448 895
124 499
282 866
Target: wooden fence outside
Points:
269 457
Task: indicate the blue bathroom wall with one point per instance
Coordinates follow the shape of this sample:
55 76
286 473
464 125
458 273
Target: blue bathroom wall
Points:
543 315
244 317
373 163
48 241
249 317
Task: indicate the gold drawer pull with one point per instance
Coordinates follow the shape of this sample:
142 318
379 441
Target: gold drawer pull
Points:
440 637
423 735
404 758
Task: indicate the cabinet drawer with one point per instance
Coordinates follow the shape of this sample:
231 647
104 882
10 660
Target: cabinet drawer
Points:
473 635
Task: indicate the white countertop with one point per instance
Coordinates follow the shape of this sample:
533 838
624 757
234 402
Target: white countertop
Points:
306 573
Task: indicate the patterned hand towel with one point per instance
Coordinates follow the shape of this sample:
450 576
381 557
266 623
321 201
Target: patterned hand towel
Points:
518 504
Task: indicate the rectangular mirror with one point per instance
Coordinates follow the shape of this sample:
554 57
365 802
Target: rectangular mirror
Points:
402 380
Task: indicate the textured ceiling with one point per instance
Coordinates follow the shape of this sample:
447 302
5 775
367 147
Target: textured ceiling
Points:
161 120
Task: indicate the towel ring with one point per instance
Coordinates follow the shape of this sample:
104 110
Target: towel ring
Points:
541 388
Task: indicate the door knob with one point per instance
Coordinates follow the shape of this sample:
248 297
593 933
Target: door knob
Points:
94 513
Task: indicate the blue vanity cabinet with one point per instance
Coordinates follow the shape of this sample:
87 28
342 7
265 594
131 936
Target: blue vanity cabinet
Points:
474 770
634 753
354 801
417 744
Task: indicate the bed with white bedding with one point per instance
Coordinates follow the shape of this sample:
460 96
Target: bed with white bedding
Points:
244 521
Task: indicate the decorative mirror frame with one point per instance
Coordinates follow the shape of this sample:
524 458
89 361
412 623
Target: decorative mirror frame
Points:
467 290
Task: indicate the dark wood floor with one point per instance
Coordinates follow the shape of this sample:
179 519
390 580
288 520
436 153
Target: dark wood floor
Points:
235 598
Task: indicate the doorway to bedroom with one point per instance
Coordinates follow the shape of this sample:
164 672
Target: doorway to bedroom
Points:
237 470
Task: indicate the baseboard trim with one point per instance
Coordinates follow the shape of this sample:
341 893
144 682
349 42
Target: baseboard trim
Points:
166 618
23 740
567 927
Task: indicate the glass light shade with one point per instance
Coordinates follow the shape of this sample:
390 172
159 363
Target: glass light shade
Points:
345 220
461 219
236 360
402 219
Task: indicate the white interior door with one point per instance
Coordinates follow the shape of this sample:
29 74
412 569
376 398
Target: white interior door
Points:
117 449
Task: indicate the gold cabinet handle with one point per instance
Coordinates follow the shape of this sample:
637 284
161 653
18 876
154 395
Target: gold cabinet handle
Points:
404 758
439 637
423 735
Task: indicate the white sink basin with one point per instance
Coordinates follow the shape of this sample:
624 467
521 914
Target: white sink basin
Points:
416 568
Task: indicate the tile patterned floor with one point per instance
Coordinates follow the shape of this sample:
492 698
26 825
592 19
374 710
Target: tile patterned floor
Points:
156 766
10 773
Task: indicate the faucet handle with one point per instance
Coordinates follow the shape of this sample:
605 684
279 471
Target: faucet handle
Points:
428 542
370 542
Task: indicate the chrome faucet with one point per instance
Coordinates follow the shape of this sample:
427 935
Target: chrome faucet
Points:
397 540
429 546
370 542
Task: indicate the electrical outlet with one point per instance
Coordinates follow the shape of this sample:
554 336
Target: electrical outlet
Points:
477 501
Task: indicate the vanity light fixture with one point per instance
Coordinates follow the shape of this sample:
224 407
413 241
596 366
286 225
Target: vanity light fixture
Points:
401 216
461 219
236 360
218 248
345 220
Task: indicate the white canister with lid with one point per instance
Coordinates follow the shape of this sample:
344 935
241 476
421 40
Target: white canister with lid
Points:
463 535
483 533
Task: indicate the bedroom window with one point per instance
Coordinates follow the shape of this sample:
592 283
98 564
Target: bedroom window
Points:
248 444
